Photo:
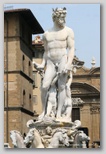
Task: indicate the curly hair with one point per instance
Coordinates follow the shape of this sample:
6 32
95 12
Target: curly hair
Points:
57 12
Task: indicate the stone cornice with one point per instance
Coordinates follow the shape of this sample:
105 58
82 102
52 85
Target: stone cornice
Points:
86 76
19 109
90 89
86 95
21 73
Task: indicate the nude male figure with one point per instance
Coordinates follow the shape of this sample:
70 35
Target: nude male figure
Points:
59 50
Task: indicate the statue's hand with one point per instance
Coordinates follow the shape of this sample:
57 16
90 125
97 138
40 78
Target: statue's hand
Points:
38 66
66 68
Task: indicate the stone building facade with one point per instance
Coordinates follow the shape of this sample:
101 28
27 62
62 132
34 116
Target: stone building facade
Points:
86 86
19 25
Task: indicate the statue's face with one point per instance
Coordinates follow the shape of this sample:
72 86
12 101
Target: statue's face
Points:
60 20
49 130
59 16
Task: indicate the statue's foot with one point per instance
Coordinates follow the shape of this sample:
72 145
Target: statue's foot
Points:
58 118
68 119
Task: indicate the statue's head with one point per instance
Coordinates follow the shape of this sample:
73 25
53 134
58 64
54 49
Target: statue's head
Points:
49 130
59 15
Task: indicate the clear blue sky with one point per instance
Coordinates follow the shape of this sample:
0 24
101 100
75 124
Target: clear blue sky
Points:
84 19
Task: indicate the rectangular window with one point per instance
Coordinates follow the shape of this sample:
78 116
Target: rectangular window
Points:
30 101
30 68
75 114
35 99
35 79
23 63
24 98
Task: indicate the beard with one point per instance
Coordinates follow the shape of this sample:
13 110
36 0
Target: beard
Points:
60 22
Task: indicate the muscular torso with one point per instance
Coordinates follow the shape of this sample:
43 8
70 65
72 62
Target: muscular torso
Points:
56 44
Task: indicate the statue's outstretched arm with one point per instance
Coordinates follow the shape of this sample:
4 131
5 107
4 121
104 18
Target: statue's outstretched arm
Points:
42 65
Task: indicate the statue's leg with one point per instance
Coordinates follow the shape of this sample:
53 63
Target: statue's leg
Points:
61 95
68 113
51 100
61 86
48 77
49 108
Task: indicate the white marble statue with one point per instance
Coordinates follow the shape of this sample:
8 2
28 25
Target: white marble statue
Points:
17 139
34 138
47 136
79 139
54 128
59 137
59 51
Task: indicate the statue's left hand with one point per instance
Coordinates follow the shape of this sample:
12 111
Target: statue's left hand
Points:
38 66
65 70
